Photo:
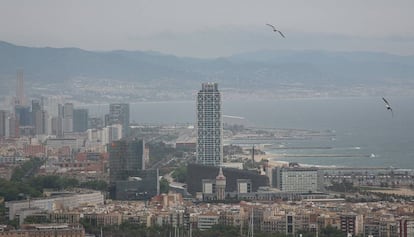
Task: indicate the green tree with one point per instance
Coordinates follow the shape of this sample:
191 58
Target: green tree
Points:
164 185
180 174
26 170
95 184
330 231
159 151
53 182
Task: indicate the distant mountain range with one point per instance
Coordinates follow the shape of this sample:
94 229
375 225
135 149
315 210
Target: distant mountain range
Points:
254 70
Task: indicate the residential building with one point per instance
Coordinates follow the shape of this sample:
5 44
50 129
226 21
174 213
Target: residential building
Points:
351 224
406 227
206 221
44 230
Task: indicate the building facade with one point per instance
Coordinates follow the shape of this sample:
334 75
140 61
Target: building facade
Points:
119 114
80 120
67 121
296 179
4 117
143 186
209 126
221 185
126 159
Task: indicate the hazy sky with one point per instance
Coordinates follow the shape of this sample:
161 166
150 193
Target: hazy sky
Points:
210 28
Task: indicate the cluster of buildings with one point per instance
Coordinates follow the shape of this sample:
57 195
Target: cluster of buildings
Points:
68 143
292 198
45 118
52 117
382 219
35 230
211 178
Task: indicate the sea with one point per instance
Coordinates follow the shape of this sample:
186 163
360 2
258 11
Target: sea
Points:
363 133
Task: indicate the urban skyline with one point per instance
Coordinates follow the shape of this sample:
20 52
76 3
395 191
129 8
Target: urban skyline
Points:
207 118
102 152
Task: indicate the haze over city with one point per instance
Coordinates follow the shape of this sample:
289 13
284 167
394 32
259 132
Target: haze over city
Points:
210 28
206 118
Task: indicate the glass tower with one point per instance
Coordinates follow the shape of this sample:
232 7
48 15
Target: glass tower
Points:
209 126
126 159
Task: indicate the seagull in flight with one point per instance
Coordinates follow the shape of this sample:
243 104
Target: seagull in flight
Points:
388 106
276 30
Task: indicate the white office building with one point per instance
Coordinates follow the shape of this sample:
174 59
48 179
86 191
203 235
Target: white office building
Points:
296 179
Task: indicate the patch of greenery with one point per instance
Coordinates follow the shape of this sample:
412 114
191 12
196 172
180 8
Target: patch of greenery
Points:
23 185
159 151
164 186
95 185
344 186
180 174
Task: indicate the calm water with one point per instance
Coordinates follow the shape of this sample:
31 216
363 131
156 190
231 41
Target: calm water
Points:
361 126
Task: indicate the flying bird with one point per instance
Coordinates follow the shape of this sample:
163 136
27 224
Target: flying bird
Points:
387 105
276 30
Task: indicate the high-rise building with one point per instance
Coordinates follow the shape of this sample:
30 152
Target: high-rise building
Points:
209 126
20 98
12 127
65 114
119 114
36 105
39 117
23 115
126 159
80 120
56 126
4 114
95 123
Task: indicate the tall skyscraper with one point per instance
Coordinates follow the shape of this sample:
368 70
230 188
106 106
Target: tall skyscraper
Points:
4 116
13 128
119 114
209 126
56 126
67 121
39 117
80 120
126 159
20 99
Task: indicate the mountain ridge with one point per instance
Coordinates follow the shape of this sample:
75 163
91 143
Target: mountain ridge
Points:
258 70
